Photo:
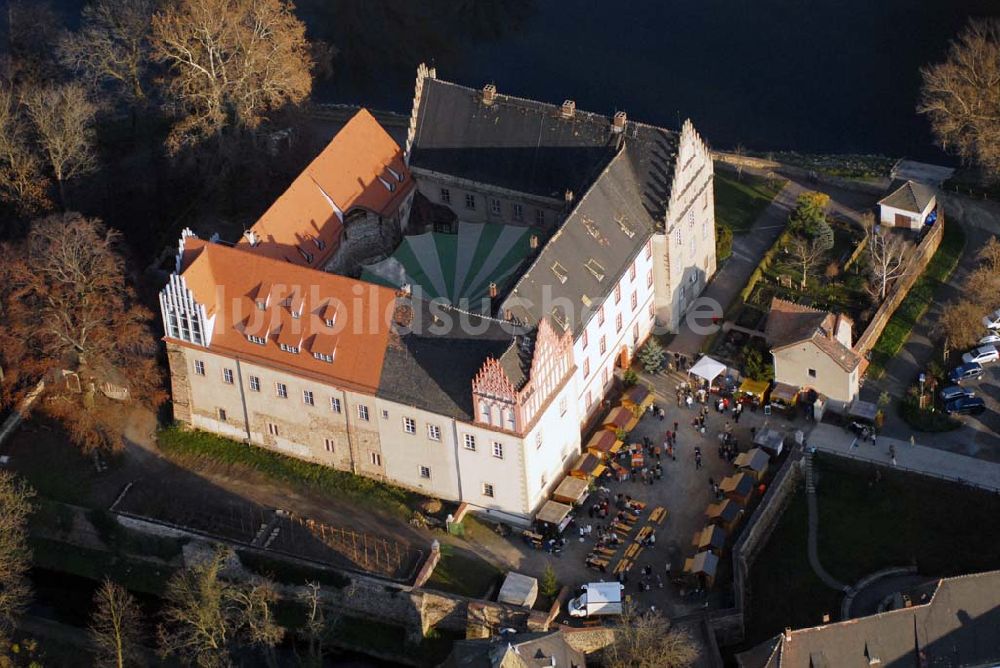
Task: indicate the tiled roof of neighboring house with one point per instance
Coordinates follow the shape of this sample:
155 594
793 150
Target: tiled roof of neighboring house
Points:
789 323
523 650
909 196
958 626
622 181
433 370
361 167
230 283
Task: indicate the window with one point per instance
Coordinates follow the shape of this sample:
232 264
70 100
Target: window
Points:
259 340
261 304
470 442
677 236
254 384
470 201
227 376
635 333
562 406
335 404
363 412
385 414
604 376
329 322
590 398
635 301
375 458
586 339
445 195
409 425
328 444
586 367
517 211
272 429
222 415
691 217
812 373
704 230
434 432
322 357
618 322
307 398
425 472
290 349
488 490
649 249
538 441
199 367
603 347
631 272
494 206
281 390
539 217
498 450
618 293
649 278
600 316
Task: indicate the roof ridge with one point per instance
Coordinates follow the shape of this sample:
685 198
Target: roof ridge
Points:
515 98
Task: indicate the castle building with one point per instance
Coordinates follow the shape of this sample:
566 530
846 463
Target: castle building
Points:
510 258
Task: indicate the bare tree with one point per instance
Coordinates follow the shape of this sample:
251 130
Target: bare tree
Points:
960 324
32 30
66 305
806 253
112 46
255 602
63 117
115 626
649 641
887 253
22 182
961 96
15 556
989 255
230 63
740 151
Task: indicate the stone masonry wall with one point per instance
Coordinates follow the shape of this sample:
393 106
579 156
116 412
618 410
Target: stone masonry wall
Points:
180 389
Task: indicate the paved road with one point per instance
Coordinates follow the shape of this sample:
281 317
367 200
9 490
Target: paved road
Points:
979 436
918 458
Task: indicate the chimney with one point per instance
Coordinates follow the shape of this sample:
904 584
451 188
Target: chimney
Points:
489 94
493 290
568 196
251 238
826 618
618 122
788 634
842 330
533 242
568 109
507 315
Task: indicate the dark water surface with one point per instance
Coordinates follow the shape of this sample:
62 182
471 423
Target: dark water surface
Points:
809 75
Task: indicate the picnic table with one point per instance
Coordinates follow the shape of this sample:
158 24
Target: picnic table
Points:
605 551
637 506
658 515
644 533
633 551
597 563
532 537
630 518
623 566
621 528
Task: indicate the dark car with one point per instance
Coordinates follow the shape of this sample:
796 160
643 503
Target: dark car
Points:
966 372
953 392
966 406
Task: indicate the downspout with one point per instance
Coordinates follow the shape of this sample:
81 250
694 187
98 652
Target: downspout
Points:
458 463
347 422
243 400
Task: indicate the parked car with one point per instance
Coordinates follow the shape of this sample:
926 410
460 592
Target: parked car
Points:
953 392
983 355
966 406
965 372
991 338
992 321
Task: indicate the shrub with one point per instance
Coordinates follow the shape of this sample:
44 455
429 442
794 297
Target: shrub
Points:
549 586
756 365
925 420
630 378
651 356
723 242
832 270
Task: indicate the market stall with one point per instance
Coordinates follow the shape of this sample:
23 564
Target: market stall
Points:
707 369
738 487
637 398
753 391
783 397
588 467
771 440
604 444
754 463
726 514
571 490
554 516
703 565
620 418
712 538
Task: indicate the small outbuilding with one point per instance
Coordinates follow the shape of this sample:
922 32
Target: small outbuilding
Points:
753 462
770 440
726 514
604 444
909 205
738 487
571 490
554 516
712 537
519 590
620 418
637 398
588 467
703 565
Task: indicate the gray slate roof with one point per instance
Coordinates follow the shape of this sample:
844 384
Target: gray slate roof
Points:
434 371
524 650
909 196
959 626
621 180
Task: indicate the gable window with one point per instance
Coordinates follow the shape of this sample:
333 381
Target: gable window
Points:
560 272
498 450
329 322
335 404
488 490
254 384
409 425
434 432
445 195
470 442
494 206
425 472
363 412
328 443
199 367
812 373
539 217
470 201
272 429
322 357
281 390
517 211
307 398
227 376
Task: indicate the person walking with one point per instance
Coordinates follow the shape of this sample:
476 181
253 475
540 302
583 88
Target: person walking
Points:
892 453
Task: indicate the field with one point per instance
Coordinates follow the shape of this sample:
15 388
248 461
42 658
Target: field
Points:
738 202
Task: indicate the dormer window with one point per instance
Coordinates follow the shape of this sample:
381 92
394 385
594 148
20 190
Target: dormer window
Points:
560 317
329 322
390 186
297 314
290 349
625 227
595 268
320 244
259 340
560 272
323 358
307 256
261 305
396 175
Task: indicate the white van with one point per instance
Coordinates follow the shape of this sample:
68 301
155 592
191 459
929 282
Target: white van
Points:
598 598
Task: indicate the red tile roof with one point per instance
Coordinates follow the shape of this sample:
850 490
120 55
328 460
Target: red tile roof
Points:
789 324
362 167
230 282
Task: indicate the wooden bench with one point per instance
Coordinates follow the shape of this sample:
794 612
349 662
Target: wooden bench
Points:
597 563
621 528
644 533
606 551
637 505
623 566
658 515
633 551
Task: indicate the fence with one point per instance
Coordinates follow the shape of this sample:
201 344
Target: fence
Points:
907 469
923 254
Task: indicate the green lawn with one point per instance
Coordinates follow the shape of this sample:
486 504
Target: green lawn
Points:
462 573
916 303
864 526
738 202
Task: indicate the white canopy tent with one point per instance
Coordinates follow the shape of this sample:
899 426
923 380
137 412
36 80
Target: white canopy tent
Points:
708 368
